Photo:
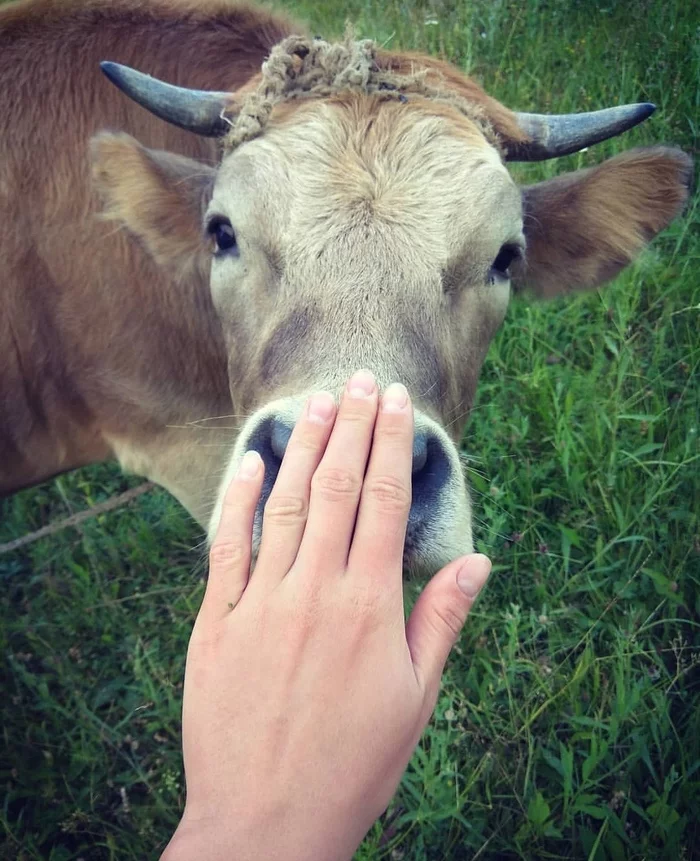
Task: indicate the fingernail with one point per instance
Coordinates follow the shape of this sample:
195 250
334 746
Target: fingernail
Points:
473 574
250 465
321 408
361 384
395 398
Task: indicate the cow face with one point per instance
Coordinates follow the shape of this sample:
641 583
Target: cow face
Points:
365 234
361 232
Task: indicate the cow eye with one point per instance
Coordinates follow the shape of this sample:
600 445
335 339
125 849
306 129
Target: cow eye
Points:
506 256
223 234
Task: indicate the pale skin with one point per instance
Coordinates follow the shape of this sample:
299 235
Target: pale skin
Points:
306 691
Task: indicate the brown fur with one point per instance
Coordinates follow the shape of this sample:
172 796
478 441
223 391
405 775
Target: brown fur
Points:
442 75
583 227
100 348
161 195
115 346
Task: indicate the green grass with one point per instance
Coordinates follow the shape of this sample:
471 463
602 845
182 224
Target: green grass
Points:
569 723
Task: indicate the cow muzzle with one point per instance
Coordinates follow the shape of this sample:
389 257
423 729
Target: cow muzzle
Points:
439 521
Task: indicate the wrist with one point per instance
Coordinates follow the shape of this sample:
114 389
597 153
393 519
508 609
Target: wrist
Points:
219 841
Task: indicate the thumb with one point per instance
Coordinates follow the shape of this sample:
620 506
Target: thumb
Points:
440 613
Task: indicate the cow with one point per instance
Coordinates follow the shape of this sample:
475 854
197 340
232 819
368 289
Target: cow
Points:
265 213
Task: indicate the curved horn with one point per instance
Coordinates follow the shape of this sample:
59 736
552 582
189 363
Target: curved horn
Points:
195 111
552 135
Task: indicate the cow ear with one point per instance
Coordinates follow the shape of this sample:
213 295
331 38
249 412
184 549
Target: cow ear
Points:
158 196
582 228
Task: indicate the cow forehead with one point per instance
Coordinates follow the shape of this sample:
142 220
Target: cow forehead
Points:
420 174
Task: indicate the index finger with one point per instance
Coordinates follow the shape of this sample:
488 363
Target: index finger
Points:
380 532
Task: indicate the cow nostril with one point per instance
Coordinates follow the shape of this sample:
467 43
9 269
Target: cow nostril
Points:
430 468
420 451
270 439
280 432
431 473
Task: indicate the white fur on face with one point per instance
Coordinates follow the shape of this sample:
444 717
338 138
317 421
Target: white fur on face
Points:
366 237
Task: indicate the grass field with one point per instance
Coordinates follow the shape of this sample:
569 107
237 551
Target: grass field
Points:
569 722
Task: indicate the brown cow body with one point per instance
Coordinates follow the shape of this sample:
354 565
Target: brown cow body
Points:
101 353
359 214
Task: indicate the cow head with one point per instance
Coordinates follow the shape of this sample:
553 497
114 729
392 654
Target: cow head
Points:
362 216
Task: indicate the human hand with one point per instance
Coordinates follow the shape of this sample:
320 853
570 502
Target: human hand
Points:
305 690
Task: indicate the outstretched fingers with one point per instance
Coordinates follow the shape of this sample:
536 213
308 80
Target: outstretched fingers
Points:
380 532
231 551
337 483
286 510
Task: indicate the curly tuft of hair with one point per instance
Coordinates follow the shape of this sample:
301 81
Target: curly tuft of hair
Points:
300 67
